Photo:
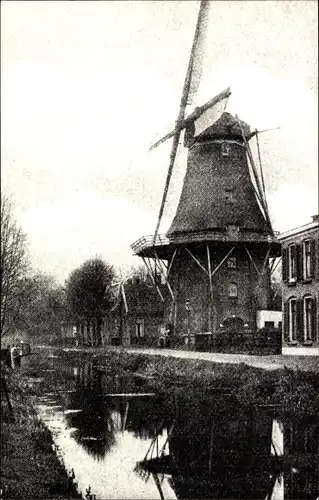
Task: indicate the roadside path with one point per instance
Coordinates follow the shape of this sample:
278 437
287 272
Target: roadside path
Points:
271 362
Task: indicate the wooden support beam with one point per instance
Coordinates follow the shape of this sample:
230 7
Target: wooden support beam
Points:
160 265
197 261
276 293
157 260
152 278
210 289
125 415
124 298
223 260
275 267
274 264
164 264
171 262
157 264
153 271
266 260
158 485
263 268
252 260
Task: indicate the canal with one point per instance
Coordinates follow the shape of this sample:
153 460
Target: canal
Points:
124 439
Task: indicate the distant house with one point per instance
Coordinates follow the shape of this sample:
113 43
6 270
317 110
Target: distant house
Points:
138 316
300 290
68 333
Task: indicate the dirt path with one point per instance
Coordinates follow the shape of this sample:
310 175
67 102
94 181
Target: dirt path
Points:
271 362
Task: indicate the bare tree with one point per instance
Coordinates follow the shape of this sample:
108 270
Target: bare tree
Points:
41 308
14 264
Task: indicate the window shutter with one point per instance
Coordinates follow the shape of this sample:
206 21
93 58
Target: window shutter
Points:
314 319
286 322
313 257
293 253
300 325
299 259
284 265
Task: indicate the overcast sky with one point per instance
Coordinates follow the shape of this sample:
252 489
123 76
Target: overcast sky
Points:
87 86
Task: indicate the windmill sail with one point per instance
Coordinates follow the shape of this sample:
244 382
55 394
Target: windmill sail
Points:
190 86
219 101
196 61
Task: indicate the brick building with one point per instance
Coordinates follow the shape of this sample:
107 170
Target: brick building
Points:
138 316
300 290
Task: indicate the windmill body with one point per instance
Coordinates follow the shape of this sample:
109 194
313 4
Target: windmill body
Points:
218 248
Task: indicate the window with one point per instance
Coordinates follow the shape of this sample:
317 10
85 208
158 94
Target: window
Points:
269 324
308 312
306 253
292 261
292 319
232 262
140 328
232 290
225 149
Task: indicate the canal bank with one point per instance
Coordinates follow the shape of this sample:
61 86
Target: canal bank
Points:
291 389
105 410
30 467
265 362
227 431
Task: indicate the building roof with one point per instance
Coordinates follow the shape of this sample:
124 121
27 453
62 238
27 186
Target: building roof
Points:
142 297
300 229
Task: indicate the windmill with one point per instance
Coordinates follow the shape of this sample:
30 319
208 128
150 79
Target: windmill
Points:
216 255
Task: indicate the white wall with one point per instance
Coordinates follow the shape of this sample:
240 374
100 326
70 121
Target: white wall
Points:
263 316
300 351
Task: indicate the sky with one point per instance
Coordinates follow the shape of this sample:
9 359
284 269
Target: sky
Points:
87 86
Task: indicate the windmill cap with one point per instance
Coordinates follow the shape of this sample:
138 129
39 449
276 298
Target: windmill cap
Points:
226 126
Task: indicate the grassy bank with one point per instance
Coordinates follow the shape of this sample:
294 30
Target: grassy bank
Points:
291 391
30 468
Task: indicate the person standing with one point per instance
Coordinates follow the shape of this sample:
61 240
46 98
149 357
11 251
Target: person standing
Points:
15 357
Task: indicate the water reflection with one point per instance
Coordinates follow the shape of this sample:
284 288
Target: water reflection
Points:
221 450
175 445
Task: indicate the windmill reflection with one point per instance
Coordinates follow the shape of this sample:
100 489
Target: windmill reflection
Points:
217 449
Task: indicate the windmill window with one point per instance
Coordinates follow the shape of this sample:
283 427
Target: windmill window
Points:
232 262
225 149
139 328
306 251
232 291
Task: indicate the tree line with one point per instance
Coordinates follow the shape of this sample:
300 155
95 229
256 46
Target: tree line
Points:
34 303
